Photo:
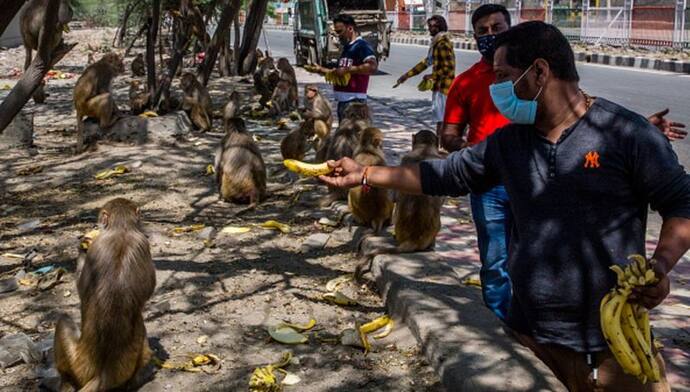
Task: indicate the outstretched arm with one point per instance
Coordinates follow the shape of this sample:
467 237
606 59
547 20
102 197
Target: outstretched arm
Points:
348 174
673 130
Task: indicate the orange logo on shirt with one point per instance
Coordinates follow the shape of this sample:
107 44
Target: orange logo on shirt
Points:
592 160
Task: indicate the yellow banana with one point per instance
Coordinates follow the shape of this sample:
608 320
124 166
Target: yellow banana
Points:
650 277
375 325
642 347
339 299
611 311
620 274
425 85
307 169
635 268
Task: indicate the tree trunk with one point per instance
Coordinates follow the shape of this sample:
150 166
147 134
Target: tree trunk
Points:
143 28
219 37
236 46
45 59
182 40
250 36
151 46
10 9
122 33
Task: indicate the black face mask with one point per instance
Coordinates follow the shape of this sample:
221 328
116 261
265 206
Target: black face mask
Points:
485 45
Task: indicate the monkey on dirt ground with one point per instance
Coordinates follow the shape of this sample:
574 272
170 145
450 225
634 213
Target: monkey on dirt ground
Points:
416 218
280 100
137 99
295 144
370 206
196 101
138 66
240 169
31 22
231 109
342 143
92 96
318 109
287 74
117 278
266 78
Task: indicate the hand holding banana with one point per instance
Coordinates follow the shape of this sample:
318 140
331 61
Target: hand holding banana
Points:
625 325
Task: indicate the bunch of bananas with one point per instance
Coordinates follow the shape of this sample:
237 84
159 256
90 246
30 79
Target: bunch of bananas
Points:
626 326
425 85
337 80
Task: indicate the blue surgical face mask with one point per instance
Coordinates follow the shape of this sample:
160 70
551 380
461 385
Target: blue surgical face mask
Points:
518 111
485 45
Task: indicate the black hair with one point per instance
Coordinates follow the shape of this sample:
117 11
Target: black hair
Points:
347 20
533 40
488 9
442 25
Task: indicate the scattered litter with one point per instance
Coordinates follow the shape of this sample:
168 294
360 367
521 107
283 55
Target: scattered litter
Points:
116 171
272 224
207 363
384 322
333 284
149 114
27 171
472 281
302 327
328 222
67 293
234 230
203 339
43 281
286 335
55 74
339 298
44 270
188 229
13 255
210 170
6 87
18 348
356 338
291 379
263 379
29 225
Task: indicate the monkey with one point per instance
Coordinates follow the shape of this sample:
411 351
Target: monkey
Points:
231 109
137 100
260 54
342 143
371 207
416 218
117 278
138 66
90 58
266 78
31 22
280 99
92 96
318 109
287 74
196 101
294 145
240 169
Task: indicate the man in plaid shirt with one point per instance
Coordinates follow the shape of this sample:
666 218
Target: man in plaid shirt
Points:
442 59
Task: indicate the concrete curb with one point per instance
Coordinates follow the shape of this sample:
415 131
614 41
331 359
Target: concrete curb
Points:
464 342
595 58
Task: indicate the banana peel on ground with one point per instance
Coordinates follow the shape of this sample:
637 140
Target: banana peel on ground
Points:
196 363
333 284
188 229
148 114
273 224
264 380
116 171
358 337
472 282
339 298
287 335
235 230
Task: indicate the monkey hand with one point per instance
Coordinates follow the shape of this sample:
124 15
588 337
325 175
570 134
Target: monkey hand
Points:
346 173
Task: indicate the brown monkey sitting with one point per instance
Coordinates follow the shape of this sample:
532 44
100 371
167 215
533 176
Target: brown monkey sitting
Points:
317 108
295 145
196 101
92 96
231 109
280 100
240 170
138 66
32 22
287 74
137 99
266 78
371 207
116 280
417 218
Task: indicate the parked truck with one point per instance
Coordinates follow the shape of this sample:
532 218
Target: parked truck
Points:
315 40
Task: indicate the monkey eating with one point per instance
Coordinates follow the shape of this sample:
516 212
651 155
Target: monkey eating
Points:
318 109
295 144
117 278
92 96
266 78
32 22
137 99
240 169
196 101
138 66
370 206
287 75
231 109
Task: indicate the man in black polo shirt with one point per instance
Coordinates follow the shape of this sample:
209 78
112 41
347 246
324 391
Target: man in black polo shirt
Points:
580 173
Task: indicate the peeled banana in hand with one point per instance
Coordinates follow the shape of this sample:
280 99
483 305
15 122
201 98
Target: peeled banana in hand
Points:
337 80
307 169
625 325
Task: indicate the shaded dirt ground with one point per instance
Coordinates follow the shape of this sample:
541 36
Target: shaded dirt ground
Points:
210 297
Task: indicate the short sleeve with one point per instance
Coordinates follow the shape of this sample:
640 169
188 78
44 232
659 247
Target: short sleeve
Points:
455 110
366 52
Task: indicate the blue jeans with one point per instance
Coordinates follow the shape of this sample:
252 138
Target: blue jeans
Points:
493 220
343 105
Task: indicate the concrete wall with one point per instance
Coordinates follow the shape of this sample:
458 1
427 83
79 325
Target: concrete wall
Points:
12 36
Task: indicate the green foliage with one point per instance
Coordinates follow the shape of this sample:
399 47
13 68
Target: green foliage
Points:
98 12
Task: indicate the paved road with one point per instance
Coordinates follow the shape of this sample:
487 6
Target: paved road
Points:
641 91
